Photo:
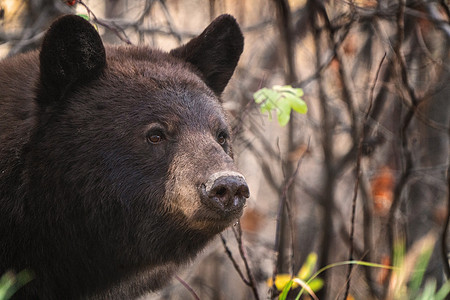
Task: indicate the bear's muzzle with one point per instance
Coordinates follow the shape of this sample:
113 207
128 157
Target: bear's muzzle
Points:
225 192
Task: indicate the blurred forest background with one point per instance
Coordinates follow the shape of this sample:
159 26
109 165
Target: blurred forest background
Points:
364 170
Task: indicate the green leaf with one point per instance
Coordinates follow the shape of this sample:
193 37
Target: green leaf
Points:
87 18
266 98
264 95
420 268
299 93
84 16
259 96
6 284
281 280
428 291
283 112
11 282
297 104
316 284
282 99
399 253
308 267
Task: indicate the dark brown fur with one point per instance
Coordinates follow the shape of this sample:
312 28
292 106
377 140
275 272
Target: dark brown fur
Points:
87 203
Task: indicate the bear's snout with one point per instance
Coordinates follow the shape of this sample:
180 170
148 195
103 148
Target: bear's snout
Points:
225 192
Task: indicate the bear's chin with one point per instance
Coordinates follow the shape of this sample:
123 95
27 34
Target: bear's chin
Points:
206 217
214 222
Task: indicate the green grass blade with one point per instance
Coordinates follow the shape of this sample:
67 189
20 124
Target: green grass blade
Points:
343 263
443 292
286 290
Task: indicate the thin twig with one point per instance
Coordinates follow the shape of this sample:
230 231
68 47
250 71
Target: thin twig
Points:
188 287
252 283
368 213
233 261
320 13
357 178
120 33
291 262
281 204
444 232
352 222
326 138
406 153
263 162
169 21
146 11
369 109
284 22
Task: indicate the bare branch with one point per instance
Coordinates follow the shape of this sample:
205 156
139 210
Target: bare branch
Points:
233 261
109 25
357 176
281 206
444 250
252 283
188 287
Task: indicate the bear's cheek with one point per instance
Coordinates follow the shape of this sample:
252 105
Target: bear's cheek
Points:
182 196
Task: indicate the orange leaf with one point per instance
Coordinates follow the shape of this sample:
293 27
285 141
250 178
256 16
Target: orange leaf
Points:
382 191
384 272
252 220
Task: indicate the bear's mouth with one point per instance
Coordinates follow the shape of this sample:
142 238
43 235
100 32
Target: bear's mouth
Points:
216 220
215 209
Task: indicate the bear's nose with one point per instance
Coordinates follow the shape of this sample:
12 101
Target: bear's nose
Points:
226 191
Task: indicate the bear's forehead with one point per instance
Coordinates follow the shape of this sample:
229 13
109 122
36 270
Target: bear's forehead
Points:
148 62
153 70
146 84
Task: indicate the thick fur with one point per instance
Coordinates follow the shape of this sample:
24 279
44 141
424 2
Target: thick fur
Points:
88 204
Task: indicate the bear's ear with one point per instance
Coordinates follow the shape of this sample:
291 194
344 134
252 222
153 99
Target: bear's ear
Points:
72 52
215 52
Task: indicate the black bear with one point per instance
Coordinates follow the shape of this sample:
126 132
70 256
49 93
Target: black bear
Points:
115 162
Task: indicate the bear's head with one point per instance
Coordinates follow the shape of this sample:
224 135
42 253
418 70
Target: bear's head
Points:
131 164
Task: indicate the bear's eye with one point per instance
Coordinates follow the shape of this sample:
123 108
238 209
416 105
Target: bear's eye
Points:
155 137
222 138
